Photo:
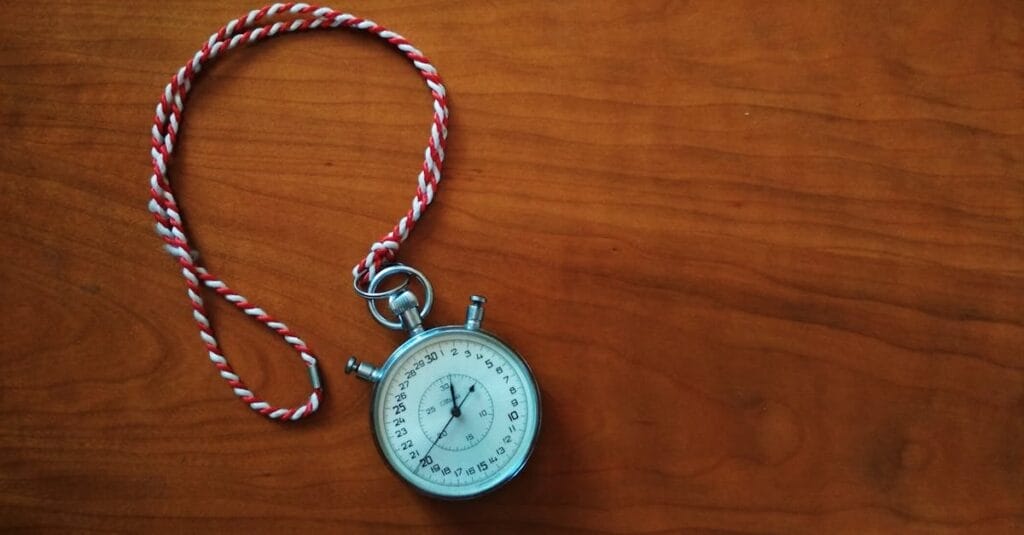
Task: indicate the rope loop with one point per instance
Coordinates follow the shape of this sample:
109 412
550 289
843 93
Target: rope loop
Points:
252 28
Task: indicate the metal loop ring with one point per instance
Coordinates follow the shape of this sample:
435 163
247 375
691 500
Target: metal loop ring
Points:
394 269
373 296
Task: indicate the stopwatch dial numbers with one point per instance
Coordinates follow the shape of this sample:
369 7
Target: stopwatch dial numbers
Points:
456 412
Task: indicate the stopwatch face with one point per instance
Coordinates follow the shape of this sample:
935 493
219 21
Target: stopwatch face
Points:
456 412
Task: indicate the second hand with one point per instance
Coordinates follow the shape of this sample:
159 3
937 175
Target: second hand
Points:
455 412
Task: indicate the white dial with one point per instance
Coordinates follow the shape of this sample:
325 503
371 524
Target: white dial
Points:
456 412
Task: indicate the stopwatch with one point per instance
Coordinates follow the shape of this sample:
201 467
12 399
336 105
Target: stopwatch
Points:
455 410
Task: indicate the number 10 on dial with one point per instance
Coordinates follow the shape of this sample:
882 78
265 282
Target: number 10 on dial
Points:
455 410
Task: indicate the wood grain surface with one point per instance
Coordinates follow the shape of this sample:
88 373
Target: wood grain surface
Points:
766 260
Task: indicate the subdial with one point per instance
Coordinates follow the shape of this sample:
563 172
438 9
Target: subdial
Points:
471 412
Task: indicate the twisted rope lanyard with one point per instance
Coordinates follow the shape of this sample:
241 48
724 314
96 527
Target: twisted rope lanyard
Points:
252 28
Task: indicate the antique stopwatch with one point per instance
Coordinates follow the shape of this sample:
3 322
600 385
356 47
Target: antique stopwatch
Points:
455 410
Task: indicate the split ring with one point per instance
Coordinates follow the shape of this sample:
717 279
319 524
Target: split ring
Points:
410 273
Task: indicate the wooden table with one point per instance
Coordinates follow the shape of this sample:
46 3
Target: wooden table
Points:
767 262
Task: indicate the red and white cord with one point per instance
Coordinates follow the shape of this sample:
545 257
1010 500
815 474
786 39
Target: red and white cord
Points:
252 28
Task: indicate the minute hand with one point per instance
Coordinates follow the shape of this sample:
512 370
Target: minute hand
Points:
455 408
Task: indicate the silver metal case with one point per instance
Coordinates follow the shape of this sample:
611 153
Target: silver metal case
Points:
408 349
